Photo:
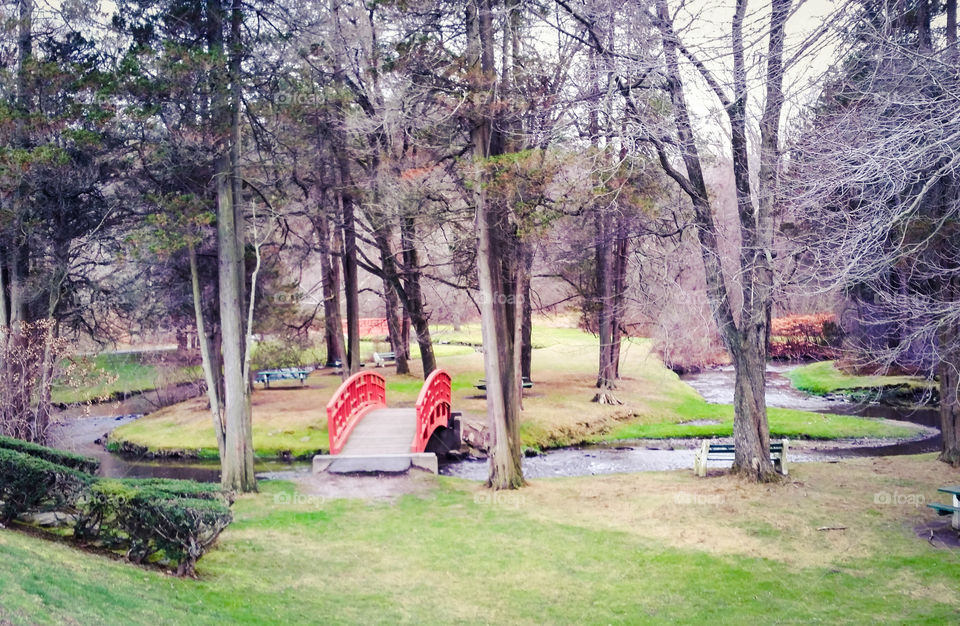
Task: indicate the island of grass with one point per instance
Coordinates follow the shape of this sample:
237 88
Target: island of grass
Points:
655 547
827 378
289 420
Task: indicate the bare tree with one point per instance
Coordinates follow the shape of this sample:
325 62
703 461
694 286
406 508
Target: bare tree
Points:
876 183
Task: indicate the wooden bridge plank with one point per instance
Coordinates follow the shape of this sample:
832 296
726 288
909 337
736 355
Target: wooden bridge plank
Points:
383 431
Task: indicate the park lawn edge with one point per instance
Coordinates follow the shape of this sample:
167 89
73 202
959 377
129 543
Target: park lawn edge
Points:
745 552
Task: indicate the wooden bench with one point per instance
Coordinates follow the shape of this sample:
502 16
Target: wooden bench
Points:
725 452
287 373
382 358
946 509
527 383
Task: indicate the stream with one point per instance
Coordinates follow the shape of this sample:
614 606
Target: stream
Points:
716 386
83 435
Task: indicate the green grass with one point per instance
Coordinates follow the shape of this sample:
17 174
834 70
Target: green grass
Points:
596 550
684 407
107 374
823 378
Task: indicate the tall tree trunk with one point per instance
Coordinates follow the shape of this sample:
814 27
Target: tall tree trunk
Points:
526 346
394 314
210 374
405 326
351 285
603 252
747 341
949 371
391 299
4 312
496 257
952 25
619 293
330 279
237 461
413 302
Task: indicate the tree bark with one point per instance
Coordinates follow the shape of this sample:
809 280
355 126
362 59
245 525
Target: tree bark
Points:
413 303
952 25
210 374
949 371
496 265
351 285
330 279
237 461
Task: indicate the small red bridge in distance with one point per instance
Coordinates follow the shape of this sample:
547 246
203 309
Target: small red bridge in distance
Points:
368 436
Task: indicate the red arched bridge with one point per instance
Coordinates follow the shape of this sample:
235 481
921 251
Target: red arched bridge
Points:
368 436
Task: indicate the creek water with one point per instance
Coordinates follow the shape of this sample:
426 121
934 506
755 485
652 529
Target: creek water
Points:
716 386
84 434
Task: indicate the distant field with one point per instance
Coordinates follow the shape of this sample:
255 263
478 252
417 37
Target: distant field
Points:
91 379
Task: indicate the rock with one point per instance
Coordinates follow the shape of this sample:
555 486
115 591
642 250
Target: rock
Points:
49 519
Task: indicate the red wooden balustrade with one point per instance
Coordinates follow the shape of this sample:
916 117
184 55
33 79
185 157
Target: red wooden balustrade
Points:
433 408
357 396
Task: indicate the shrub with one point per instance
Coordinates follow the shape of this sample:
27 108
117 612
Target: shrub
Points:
29 483
60 457
179 518
814 336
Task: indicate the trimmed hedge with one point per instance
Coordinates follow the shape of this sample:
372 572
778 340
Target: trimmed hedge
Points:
179 518
60 457
30 483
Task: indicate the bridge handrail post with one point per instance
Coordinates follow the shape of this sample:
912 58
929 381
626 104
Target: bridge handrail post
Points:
353 399
433 408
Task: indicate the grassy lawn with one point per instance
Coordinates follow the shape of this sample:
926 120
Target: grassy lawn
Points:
557 411
824 377
107 374
642 548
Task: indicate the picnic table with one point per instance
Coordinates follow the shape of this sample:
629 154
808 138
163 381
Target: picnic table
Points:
946 509
527 383
287 373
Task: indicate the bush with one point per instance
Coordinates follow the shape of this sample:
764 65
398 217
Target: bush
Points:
814 336
30 483
179 518
60 457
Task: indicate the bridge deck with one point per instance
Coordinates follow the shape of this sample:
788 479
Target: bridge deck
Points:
383 431
380 442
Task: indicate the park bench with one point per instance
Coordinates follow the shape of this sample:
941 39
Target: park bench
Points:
946 509
287 373
382 358
527 383
725 452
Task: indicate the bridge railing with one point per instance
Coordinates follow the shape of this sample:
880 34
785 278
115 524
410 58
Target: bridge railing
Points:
358 395
433 408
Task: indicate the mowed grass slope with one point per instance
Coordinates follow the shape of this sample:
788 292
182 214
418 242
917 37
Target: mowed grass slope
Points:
100 377
824 377
644 548
557 411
